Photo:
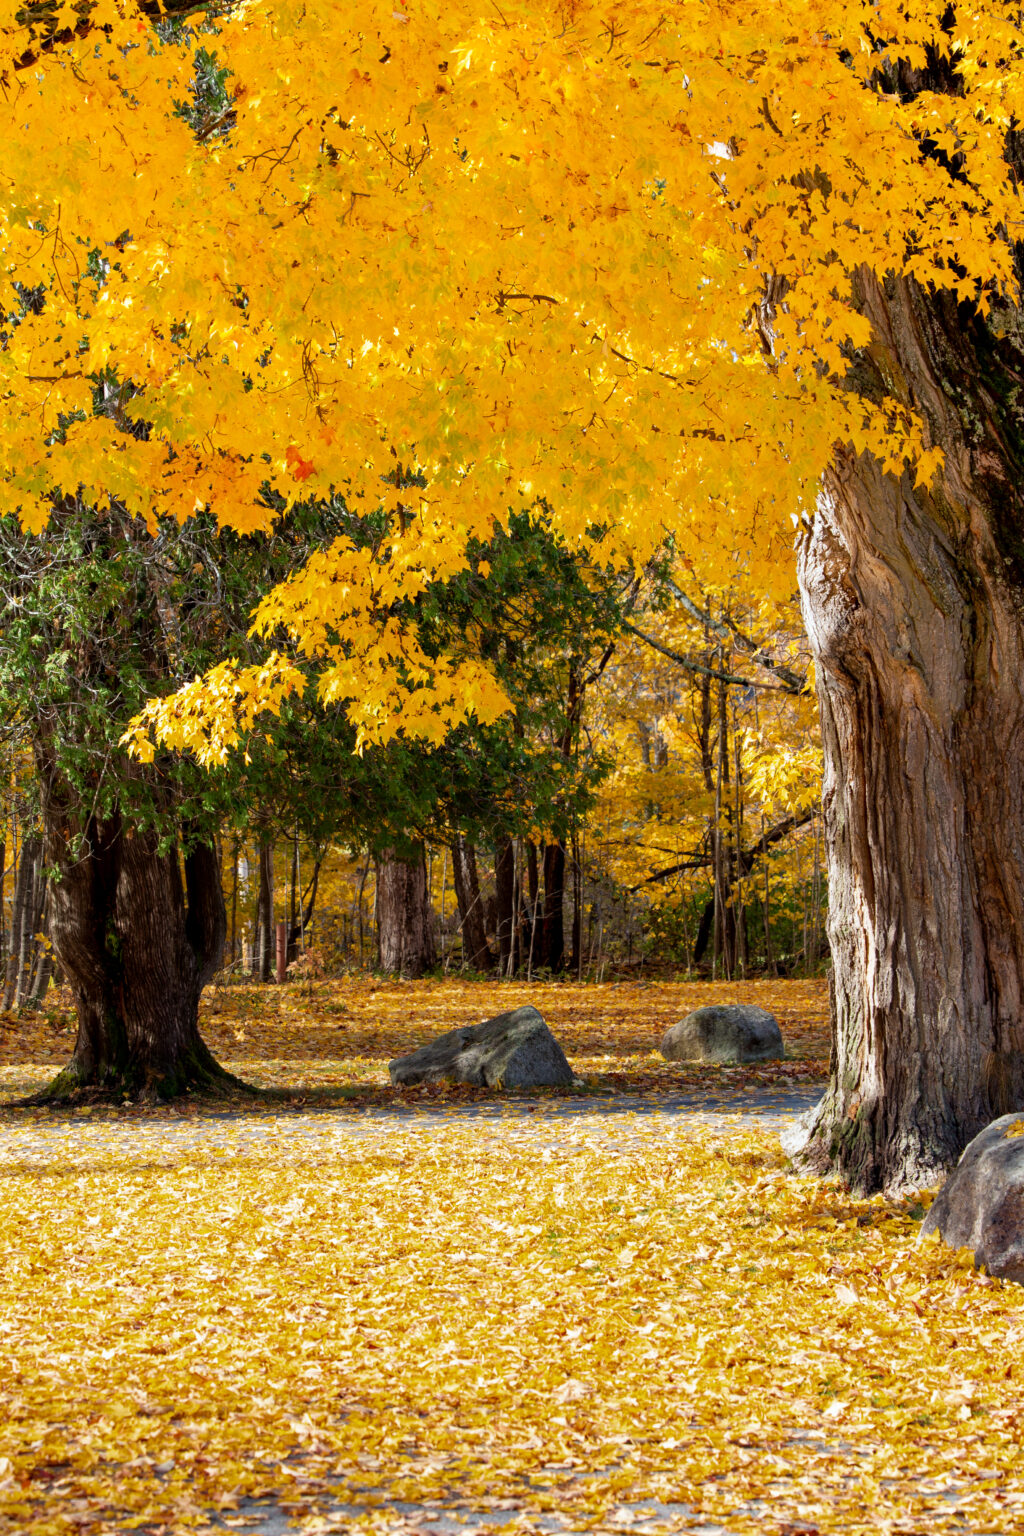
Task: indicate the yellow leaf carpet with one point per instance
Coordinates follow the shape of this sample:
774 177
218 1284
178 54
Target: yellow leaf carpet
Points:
620 1318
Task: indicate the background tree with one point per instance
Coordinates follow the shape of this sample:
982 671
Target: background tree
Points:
713 732
100 614
97 614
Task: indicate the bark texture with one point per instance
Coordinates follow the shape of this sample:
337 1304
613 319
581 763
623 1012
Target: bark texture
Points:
137 944
404 914
914 603
263 945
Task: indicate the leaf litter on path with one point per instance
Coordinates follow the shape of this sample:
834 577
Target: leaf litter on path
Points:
519 1319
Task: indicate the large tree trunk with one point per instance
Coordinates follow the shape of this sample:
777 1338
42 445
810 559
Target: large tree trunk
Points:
137 945
914 602
476 952
404 914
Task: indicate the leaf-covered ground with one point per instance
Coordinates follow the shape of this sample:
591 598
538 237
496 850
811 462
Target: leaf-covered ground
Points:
547 1320
341 1034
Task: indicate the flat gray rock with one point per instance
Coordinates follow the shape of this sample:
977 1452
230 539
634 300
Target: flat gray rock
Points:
725 1032
981 1204
512 1050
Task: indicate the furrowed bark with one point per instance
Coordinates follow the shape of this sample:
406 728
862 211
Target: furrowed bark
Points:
914 603
405 915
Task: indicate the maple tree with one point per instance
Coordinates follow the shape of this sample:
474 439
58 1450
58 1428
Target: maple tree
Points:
649 267
100 614
543 621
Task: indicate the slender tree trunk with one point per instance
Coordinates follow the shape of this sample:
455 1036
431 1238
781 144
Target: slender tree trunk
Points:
22 921
705 930
304 916
234 902
576 952
554 905
137 944
505 894
769 961
475 950
530 926
36 977
293 922
265 915
33 943
719 951
914 603
727 832
405 916
516 955
739 903
13 955
254 956
41 979
359 904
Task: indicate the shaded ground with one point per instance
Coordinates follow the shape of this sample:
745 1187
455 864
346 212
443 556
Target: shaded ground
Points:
617 1125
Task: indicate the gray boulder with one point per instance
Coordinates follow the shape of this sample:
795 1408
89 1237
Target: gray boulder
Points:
981 1204
725 1032
512 1050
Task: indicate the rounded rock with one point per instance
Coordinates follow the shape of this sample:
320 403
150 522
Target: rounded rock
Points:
725 1033
981 1204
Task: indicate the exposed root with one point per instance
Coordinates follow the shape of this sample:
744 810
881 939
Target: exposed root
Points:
849 1147
196 1074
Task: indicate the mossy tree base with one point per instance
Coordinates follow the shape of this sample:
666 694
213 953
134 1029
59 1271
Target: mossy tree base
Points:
197 1073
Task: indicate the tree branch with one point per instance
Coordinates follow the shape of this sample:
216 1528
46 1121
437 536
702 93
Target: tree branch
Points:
774 835
695 666
726 629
